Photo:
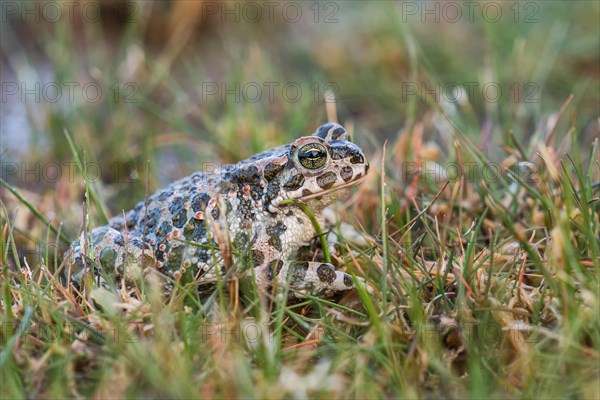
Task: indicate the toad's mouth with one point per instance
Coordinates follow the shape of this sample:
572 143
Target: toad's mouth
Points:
274 205
333 189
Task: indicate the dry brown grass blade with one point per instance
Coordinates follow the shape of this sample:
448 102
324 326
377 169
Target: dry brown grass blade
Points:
550 139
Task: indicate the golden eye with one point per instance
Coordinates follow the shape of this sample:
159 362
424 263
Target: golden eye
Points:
312 155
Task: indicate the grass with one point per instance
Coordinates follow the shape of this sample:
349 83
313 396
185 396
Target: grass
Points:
484 283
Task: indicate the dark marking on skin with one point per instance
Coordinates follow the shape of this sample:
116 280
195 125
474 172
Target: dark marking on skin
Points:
326 180
131 219
258 258
245 209
108 256
150 222
240 241
272 191
164 195
248 175
205 288
339 150
323 130
275 232
357 158
252 173
273 269
189 228
203 254
200 201
297 272
184 187
300 221
295 182
271 171
346 174
226 187
178 212
199 230
150 219
306 192
174 257
256 192
118 240
136 242
160 255
337 133
326 273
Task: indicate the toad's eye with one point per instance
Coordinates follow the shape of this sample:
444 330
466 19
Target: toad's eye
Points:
312 155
